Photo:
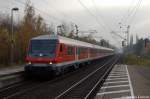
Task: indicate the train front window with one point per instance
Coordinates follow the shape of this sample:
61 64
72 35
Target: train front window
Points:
42 48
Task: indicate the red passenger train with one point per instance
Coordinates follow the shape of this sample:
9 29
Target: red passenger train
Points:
54 53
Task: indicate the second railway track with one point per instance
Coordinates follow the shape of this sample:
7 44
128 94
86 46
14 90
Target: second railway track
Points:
71 85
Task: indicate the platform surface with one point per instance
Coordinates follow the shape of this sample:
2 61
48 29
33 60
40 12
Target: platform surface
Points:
126 82
11 70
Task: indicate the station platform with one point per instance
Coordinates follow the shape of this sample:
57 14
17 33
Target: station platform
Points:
126 82
10 75
11 70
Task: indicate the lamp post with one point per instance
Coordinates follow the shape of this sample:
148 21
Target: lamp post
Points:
12 36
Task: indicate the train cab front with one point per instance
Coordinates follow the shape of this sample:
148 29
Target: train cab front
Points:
41 57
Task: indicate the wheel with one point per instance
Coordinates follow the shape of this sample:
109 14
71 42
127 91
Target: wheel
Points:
57 72
62 71
76 66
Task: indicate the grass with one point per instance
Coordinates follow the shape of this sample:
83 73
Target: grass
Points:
132 59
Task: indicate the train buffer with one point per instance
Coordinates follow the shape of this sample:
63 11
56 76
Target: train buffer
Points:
126 82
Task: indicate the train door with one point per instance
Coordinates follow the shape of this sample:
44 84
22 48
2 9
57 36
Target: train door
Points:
88 52
61 51
76 53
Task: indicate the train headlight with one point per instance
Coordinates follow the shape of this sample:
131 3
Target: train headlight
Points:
29 63
50 62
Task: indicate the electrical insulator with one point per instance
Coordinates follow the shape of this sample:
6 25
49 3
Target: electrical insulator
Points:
123 43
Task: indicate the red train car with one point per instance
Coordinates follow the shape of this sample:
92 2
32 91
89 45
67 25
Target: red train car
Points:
53 54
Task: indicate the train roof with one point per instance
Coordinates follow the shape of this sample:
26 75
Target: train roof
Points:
70 41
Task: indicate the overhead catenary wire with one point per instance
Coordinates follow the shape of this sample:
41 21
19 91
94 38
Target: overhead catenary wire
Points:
47 14
57 10
132 12
129 10
61 12
95 18
135 12
132 15
41 11
125 17
109 27
104 22
51 16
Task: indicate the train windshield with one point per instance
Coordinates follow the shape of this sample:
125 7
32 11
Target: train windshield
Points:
42 48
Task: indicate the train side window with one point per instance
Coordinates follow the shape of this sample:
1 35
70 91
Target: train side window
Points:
77 50
70 50
61 48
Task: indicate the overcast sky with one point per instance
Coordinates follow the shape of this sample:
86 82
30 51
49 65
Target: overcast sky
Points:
101 15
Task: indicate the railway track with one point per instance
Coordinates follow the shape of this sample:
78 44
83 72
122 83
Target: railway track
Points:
84 88
70 85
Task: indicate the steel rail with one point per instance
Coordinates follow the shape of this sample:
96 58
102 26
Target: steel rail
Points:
79 82
51 81
100 80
